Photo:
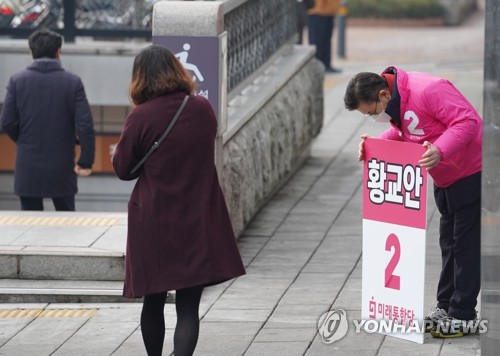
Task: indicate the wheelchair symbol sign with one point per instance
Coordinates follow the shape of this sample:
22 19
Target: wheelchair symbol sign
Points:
183 58
201 58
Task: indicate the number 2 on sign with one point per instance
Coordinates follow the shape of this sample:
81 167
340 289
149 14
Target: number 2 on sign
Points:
392 281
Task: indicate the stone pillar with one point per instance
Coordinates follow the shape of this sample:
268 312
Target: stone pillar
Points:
490 244
195 21
184 18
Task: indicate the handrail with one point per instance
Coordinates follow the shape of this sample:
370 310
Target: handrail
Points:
230 5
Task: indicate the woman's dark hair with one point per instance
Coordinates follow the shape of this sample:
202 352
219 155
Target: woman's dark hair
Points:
363 87
157 72
44 43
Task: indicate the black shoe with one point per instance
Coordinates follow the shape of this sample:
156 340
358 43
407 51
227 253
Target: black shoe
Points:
332 70
433 317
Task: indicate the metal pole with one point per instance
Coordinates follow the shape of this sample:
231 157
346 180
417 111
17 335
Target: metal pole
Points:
69 21
137 19
342 15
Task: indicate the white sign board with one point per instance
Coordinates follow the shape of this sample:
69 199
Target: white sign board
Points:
394 223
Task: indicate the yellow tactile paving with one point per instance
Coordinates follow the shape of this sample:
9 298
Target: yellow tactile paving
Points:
58 220
45 221
491 220
29 220
78 221
47 313
19 313
7 219
331 82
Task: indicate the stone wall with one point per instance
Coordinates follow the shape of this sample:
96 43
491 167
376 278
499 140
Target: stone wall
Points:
263 154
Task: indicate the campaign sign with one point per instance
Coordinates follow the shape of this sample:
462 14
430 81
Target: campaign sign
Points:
394 223
200 57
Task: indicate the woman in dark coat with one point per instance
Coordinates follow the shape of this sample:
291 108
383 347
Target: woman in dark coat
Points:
179 233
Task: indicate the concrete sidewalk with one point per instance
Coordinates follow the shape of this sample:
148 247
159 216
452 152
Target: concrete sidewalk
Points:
302 253
303 258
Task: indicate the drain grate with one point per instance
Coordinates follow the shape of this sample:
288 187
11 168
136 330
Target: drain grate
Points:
58 220
47 313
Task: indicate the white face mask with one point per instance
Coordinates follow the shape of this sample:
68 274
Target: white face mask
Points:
381 117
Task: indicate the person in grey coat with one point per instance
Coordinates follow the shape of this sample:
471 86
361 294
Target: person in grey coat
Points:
46 112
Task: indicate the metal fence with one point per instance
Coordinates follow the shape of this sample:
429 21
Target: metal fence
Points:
256 30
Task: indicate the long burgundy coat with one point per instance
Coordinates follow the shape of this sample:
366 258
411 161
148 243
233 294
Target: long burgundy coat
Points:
179 232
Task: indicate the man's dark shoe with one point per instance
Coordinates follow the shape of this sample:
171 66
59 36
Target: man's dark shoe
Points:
433 317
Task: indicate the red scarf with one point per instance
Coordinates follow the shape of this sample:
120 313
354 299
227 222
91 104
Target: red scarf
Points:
390 80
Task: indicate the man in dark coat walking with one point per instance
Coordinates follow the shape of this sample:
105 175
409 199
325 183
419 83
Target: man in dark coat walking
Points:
46 113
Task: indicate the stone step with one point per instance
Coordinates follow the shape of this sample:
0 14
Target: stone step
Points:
67 291
62 264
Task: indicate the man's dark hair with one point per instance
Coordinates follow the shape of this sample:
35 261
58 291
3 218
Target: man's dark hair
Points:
363 87
44 43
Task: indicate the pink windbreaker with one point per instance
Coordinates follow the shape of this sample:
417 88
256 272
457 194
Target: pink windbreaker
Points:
433 110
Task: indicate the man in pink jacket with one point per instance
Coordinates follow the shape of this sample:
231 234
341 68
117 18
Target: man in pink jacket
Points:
428 110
